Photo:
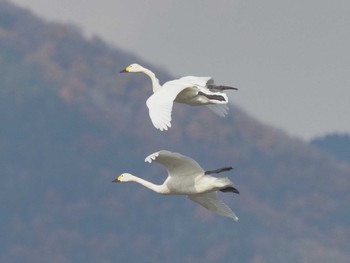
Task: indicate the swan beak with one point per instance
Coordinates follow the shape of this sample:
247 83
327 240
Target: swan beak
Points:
126 70
117 180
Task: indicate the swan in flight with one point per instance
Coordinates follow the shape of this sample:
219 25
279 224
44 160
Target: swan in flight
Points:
186 177
189 90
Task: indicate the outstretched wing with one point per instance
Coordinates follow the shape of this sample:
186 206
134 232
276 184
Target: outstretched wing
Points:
219 109
160 111
212 202
176 164
199 82
160 104
207 88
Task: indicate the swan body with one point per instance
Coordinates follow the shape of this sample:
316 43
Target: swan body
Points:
187 177
190 90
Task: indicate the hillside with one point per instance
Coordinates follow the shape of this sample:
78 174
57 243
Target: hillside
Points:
69 124
336 144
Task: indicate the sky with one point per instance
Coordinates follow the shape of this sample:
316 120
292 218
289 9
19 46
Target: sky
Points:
289 59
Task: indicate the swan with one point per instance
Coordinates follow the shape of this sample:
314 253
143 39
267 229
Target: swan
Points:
189 90
186 177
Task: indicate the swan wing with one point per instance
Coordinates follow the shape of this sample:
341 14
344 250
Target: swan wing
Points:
212 202
219 109
192 81
214 96
160 111
178 165
160 104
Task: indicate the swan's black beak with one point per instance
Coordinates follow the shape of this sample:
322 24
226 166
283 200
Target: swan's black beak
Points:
123 71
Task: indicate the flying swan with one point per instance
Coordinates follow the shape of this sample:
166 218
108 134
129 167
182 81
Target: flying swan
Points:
186 177
189 90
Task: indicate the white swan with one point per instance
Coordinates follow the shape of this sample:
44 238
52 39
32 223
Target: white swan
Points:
188 90
186 177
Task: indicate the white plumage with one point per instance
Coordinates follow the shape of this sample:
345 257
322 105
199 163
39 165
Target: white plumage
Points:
189 90
186 177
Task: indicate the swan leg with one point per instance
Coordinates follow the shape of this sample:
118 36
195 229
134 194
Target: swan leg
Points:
220 87
224 169
230 189
212 97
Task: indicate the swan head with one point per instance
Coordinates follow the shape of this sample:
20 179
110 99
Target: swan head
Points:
123 178
133 68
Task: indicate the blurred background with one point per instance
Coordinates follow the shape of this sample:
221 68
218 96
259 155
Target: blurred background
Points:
70 124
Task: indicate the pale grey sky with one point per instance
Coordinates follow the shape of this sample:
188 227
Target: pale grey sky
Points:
289 59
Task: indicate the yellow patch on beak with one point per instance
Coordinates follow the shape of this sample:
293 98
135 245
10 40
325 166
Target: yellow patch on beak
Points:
128 68
119 178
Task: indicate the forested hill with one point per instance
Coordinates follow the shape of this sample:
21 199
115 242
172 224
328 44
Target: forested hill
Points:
69 124
336 144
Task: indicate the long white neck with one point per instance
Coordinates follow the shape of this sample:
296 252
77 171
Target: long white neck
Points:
155 81
161 189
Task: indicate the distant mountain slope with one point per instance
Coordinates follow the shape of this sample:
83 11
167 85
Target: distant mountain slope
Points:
69 124
335 144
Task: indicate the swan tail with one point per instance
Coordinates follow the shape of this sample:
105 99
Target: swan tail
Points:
224 184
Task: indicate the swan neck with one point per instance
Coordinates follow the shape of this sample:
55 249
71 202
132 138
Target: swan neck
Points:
154 187
155 81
